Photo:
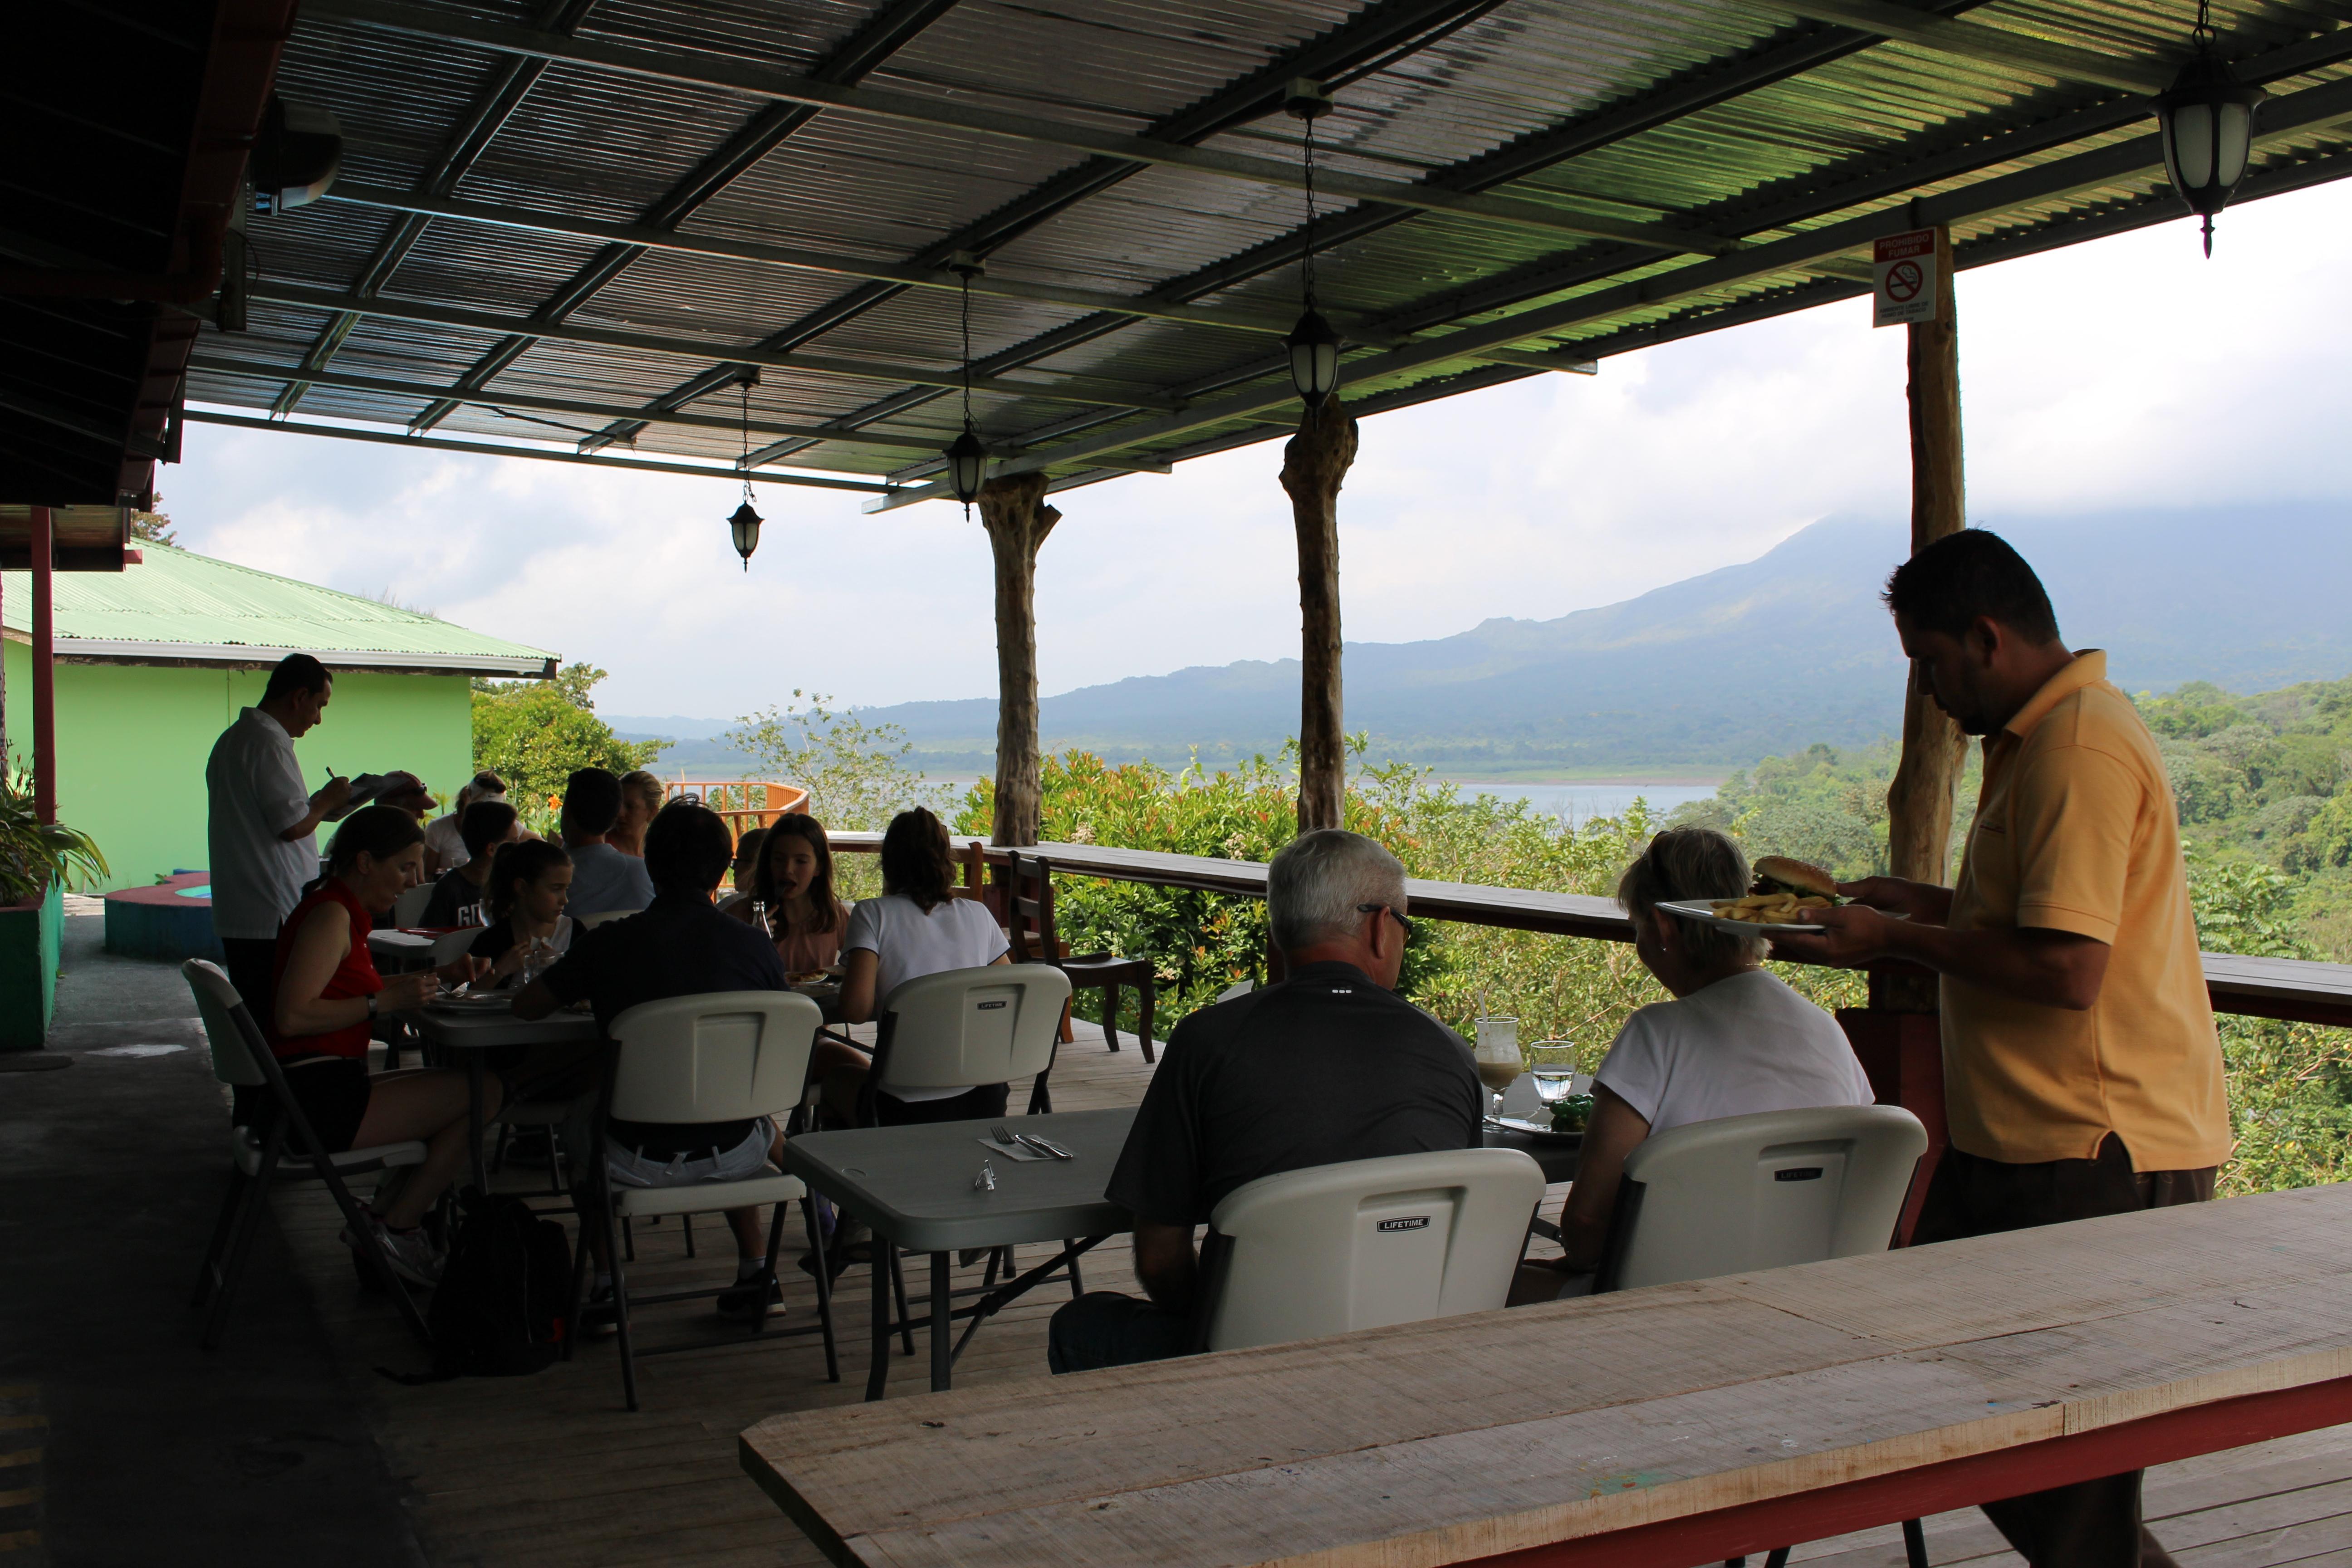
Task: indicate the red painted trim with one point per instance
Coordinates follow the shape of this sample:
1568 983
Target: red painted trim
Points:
44 679
1756 1527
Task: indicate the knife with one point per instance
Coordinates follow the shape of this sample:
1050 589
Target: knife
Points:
1055 1150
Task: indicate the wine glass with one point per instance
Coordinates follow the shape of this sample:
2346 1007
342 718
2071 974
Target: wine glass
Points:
1497 1057
1553 1065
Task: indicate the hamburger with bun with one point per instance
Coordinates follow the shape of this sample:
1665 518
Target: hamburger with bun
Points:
1780 874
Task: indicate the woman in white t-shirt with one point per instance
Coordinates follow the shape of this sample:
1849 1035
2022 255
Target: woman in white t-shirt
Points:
1734 1041
917 927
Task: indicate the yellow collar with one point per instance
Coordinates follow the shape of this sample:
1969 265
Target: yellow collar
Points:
2087 666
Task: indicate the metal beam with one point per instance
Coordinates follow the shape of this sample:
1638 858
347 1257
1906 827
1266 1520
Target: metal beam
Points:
491 110
1066 389
497 400
2326 104
490 449
645 238
882 33
1988 46
693 69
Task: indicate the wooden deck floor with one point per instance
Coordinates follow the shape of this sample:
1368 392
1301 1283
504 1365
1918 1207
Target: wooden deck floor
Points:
553 1469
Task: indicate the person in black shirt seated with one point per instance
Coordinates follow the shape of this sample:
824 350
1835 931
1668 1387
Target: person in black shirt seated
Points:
1328 1066
529 884
678 945
487 824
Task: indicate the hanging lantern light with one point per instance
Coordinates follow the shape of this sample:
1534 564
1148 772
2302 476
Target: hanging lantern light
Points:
967 457
1313 346
744 525
2205 120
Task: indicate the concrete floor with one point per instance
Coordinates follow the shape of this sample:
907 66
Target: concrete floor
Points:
149 1451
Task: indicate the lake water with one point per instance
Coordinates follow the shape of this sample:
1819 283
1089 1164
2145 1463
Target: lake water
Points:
1578 801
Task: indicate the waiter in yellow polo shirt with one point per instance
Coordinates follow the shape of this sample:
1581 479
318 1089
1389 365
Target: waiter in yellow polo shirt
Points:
2082 1073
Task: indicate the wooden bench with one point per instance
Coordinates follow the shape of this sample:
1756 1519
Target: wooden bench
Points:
1677 1424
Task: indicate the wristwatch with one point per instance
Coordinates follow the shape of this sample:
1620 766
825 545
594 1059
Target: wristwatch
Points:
371 1002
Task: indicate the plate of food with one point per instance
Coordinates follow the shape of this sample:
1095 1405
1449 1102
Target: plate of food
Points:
472 1001
1545 1130
1784 896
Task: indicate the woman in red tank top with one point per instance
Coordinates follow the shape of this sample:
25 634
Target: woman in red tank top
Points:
328 997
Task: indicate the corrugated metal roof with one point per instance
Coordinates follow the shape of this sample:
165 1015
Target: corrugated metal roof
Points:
180 606
1744 121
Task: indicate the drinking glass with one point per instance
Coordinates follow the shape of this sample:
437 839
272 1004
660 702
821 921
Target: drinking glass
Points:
1499 1053
1553 1065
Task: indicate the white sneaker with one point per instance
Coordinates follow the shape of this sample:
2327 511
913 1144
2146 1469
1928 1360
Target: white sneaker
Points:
412 1256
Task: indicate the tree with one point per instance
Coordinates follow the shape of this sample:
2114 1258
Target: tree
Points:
536 733
852 770
154 527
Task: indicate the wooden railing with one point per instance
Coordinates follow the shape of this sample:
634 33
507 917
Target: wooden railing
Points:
734 799
2286 988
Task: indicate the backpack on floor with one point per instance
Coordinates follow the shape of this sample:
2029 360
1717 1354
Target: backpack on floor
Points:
498 1310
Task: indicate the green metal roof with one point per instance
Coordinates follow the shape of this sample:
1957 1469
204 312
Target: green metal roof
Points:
179 607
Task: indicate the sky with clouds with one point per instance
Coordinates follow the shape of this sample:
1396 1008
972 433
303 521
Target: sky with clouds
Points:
2129 372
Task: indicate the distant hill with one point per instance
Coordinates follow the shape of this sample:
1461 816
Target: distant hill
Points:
1718 669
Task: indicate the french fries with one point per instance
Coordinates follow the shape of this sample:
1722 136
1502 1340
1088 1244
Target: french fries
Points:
1770 908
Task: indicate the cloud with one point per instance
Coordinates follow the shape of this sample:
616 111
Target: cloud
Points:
2127 371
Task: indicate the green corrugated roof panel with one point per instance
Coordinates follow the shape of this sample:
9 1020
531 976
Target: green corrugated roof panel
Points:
177 605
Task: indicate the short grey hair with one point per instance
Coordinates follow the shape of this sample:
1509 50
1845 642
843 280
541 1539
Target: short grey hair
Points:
1687 863
1317 879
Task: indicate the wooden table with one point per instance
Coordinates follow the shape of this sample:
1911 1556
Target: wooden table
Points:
1678 1424
471 1034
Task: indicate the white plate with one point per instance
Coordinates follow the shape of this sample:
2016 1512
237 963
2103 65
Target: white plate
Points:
1702 911
1535 1129
472 1003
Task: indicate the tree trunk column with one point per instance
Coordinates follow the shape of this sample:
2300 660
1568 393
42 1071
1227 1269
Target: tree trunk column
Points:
1014 512
44 663
1313 462
1919 801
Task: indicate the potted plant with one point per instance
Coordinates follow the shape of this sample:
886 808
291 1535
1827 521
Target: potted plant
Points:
37 859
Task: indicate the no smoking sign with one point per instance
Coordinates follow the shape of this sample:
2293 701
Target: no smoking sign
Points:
1902 278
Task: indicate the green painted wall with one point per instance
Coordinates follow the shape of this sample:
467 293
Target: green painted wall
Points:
132 739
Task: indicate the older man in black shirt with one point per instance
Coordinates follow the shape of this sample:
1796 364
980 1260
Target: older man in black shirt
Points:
678 945
1329 1065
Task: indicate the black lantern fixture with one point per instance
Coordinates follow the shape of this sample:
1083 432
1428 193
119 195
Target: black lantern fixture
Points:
1313 345
745 522
2207 121
967 458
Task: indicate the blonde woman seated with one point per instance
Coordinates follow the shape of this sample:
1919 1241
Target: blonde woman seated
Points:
1734 1041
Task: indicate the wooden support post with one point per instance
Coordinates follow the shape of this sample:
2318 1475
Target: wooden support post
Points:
1014 512
44 662
1313 462
1919 801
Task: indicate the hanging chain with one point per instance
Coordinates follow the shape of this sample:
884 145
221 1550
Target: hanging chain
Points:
1307 266
967 348
2203 31
746 464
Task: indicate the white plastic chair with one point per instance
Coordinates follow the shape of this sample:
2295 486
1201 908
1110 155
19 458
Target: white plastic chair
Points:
409 908
242 1058
1366 1243
964 1026
1766 1190
723 1056
450 946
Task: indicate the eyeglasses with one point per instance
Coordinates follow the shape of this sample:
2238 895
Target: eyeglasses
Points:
1389 910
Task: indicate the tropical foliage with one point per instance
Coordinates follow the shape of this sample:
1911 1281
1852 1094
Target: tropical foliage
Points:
34 853
537 733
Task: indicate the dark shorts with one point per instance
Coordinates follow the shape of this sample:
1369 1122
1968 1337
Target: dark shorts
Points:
974 1104
332 1090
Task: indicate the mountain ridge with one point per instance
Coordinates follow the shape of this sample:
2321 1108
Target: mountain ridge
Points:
1715 671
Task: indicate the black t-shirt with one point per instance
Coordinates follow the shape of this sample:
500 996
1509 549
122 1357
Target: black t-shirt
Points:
1323 1068
453 892
678 945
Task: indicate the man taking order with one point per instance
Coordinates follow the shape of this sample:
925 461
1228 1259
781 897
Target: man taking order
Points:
261 824
2082 1072
1329 1065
